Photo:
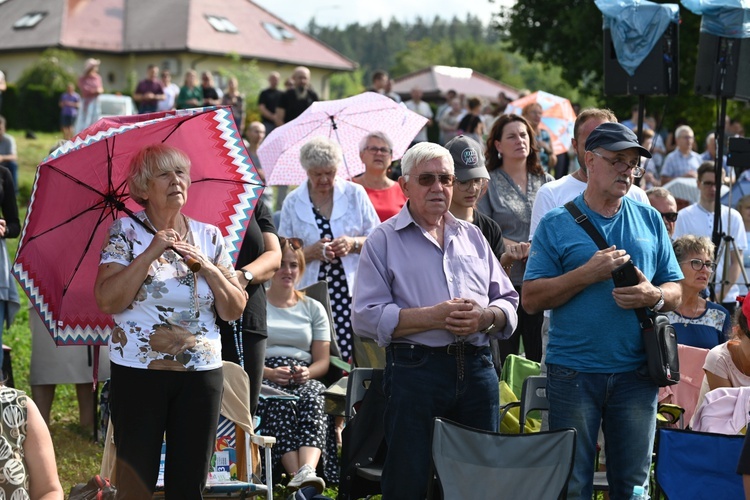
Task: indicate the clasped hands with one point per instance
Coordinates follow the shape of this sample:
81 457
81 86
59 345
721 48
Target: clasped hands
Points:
462 317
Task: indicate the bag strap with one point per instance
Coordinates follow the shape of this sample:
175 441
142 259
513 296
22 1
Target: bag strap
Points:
585 223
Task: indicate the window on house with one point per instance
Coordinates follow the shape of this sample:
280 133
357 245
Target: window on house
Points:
278 32
221 24
29 20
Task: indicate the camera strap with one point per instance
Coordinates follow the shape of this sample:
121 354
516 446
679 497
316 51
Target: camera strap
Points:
583 221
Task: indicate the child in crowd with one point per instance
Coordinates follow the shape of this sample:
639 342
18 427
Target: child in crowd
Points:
69 103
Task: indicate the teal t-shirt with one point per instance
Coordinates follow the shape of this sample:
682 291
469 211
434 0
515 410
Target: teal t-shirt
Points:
591 333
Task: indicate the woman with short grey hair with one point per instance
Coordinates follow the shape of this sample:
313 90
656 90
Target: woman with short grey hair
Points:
332 217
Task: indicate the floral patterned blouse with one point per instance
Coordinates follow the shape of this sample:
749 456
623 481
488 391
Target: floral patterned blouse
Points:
171 324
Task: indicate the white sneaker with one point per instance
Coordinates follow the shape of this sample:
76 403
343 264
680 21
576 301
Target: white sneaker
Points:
305 476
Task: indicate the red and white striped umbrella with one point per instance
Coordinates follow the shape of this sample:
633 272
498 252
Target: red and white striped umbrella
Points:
345 121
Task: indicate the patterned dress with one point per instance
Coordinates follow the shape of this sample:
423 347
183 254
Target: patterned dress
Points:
14 477
338 290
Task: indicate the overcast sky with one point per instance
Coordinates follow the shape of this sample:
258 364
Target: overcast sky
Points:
343 12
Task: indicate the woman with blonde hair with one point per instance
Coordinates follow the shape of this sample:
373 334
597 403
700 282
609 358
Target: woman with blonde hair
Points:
297 354
698 322
533 114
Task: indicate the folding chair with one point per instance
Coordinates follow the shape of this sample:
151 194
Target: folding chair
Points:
476 464
319 292
363 450
534 397
696 465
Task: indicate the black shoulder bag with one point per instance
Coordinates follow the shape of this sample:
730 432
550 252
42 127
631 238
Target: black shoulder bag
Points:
659 337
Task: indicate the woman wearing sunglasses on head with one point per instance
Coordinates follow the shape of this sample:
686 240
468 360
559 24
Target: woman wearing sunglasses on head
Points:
297 353
698 322
332 217
515 177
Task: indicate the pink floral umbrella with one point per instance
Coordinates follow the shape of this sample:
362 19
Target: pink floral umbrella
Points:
345 121
82 187
558 117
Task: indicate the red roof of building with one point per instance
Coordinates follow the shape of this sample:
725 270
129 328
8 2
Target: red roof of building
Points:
435 81
142 26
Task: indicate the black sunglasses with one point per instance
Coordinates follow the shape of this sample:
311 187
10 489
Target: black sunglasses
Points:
295 243
669 216
428 180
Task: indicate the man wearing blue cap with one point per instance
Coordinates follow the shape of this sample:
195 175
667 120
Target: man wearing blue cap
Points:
595 348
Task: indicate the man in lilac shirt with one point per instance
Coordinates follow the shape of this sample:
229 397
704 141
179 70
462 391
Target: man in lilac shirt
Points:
430 289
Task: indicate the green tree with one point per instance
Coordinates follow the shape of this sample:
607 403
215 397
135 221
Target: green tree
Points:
53 70
346 84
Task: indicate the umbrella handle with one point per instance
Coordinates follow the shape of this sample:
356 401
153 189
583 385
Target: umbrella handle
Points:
193 264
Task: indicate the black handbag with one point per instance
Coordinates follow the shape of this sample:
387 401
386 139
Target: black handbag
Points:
659 337
98 488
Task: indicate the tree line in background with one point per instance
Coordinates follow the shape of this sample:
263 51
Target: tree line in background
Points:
551 45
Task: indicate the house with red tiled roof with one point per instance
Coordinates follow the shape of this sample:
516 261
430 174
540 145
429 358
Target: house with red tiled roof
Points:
128 35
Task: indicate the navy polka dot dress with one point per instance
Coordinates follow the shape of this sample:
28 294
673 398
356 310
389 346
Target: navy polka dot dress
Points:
338 291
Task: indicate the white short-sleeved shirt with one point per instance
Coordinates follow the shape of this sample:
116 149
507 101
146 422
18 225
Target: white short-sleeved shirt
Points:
170 325
698 221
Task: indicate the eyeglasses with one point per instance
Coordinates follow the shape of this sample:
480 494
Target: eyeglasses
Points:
473 183
375 150
428 180
698 264
708 183
622 166
669 216
295 243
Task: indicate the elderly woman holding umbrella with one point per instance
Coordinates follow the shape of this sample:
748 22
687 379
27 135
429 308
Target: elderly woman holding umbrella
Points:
332 217
165 348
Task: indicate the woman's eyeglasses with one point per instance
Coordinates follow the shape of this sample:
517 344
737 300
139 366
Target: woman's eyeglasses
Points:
698 264
473 183
376 150
295 243
669 216
428 180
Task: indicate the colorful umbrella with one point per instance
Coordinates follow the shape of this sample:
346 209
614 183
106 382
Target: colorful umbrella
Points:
558 117
346 121
82 187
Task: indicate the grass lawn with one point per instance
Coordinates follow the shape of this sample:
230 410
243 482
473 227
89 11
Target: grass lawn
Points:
78 457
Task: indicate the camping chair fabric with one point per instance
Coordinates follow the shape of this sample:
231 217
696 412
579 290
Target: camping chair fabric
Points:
516 369
364 448
367 352
477 464
694 465
686 393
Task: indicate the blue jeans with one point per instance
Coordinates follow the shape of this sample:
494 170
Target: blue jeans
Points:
625 404
420 384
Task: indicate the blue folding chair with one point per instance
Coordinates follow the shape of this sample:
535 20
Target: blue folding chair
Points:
697 465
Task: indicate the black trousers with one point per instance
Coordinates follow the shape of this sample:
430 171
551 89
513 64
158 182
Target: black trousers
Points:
145 405
254 358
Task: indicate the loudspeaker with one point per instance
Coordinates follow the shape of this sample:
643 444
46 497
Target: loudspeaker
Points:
657 74
719 56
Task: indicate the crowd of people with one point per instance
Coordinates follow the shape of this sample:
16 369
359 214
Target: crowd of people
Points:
469 255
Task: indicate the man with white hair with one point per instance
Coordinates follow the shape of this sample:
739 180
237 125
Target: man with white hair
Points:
430 291
683 161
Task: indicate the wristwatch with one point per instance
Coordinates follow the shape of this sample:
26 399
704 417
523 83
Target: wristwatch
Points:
657 307
248 275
